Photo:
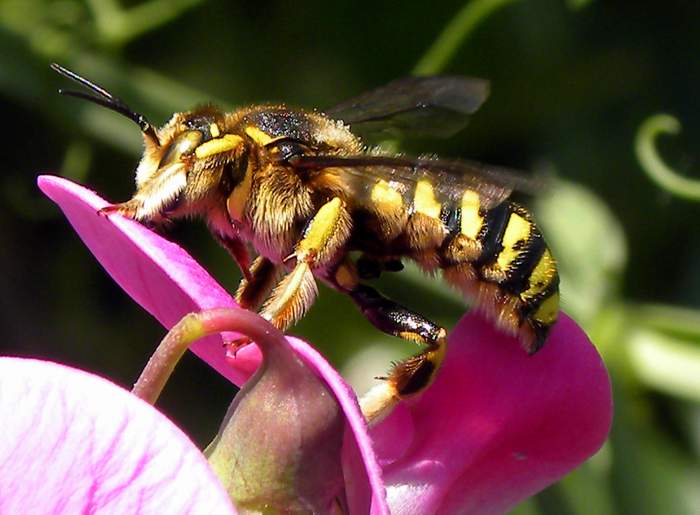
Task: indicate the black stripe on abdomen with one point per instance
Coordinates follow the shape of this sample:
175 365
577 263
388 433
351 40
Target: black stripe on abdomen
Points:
491 234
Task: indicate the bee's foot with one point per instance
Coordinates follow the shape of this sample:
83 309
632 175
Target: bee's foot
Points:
124 209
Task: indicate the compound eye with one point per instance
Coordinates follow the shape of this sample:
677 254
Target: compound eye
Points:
182 145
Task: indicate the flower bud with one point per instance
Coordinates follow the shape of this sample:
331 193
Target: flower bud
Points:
279 447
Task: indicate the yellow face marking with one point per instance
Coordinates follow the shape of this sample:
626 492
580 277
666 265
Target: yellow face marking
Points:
541 276
217 146
424 200
236 202
320 229
471 219
384 196
518 229
257 135
214 130
548 310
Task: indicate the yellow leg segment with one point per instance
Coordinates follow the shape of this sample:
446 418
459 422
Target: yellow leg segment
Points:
324 236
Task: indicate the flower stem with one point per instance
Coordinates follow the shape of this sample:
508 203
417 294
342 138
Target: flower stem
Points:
454 34
653 165
118 25
191 328
162 363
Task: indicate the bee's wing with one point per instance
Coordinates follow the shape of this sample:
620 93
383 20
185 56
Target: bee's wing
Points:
450 178
414 106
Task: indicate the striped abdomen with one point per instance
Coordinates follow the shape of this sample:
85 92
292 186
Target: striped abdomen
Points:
498 257
495 255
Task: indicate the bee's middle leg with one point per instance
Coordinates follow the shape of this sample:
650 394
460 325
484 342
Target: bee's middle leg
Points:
324 236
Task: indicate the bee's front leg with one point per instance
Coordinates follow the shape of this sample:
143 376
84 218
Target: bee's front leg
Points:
238 252
130 209
127 209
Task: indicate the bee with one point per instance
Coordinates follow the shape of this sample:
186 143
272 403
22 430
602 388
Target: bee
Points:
313 201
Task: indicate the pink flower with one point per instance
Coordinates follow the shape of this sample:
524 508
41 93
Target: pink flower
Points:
169 284
73 442
496 427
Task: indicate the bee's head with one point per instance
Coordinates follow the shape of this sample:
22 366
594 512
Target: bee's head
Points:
186 163
189 164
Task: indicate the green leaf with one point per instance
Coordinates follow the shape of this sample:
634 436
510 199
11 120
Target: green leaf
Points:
670 365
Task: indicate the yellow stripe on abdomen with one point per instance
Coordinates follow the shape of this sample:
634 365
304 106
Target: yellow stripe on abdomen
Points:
471 219
541 277
386 197
424 200
513 242
548 311
518 229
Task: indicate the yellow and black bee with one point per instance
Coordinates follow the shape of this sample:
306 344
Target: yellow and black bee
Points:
303 191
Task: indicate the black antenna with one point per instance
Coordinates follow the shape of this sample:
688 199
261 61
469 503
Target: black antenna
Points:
105 99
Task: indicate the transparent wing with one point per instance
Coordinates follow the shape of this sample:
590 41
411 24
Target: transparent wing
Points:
414 106
449 177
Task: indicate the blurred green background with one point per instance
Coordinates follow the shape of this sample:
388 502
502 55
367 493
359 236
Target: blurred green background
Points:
572 84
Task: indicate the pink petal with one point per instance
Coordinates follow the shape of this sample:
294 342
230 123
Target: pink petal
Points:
167 282
75 443
156 273
497 426
359 460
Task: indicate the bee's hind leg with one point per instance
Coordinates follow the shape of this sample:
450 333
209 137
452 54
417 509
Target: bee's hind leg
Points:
408 377
415 374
